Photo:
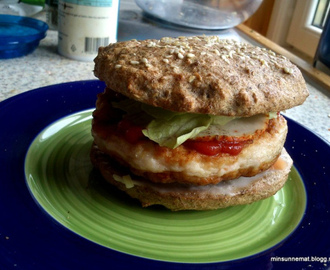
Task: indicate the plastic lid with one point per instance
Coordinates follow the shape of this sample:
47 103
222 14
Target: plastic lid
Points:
20 35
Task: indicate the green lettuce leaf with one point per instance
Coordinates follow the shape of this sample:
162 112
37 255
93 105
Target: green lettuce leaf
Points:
168 128
272 115
176 130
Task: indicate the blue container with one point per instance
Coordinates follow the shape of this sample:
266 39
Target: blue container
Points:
20 35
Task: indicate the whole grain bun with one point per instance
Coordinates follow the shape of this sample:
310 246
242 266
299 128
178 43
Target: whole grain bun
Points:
189 197
201 74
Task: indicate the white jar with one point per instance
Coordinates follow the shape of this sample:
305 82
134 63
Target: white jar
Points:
85 25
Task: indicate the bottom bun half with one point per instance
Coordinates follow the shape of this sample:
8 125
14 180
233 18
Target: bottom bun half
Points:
243 190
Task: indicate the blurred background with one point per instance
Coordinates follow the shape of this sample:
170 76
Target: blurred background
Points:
296 25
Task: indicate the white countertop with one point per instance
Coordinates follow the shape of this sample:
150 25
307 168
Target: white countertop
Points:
46 67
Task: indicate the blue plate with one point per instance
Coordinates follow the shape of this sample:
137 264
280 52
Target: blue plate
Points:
30 239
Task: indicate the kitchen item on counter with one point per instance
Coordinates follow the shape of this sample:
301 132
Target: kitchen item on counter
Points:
51 9
84 26
323 50
205 14
20 35
21 7
45 10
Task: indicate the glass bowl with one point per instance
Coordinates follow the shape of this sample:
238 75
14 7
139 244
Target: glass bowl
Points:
203 14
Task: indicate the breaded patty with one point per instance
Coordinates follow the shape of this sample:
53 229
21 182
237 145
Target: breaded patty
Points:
243 190
182 164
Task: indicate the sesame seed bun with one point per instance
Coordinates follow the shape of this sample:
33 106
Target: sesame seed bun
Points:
201 75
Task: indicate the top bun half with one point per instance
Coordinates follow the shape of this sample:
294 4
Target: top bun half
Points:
202 74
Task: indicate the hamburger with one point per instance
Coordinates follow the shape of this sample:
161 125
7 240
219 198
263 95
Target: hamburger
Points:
193 123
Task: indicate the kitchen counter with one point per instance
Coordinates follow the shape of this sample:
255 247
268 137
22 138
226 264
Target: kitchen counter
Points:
46 67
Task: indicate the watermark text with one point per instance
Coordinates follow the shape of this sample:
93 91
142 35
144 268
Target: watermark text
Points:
301 259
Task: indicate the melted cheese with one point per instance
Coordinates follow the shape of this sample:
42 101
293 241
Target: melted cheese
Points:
238 127
230 187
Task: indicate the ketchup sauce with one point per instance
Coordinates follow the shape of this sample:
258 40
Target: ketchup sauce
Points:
210 147
132 133
215 147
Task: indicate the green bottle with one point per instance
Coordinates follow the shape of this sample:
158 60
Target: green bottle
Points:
32 2
29 2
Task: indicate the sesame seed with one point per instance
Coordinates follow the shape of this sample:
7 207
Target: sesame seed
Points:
181 50
134 62
151 44
176 69
217 52
166 39
144 60
180 55
190 55
192 78
263 62
203 53
288 70
225 58
166 61
118 66
231 53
